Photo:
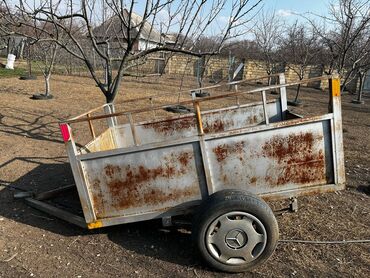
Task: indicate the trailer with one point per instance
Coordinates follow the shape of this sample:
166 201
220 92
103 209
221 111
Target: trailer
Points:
219 165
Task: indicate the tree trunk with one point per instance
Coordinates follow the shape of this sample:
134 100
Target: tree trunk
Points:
29 60
8 50
21 49
343 85
109 98
297 94
47 84
110 95
361 87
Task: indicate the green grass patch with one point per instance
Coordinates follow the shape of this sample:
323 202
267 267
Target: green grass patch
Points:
4 73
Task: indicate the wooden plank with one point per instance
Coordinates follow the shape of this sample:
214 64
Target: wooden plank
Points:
91 127
199 118
233 94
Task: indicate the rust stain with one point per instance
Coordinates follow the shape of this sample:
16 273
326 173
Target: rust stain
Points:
220 152
224 179
134 186
171 125
290 148
111 169
297 161
158 196
224 150
215 126
218 125
252 120
97 195
253 180
185 158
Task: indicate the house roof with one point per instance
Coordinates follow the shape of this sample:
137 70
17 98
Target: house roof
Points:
114 27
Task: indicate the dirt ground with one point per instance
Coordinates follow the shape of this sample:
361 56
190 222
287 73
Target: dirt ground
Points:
33 157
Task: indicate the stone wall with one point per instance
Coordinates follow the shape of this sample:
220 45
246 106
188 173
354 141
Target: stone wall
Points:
217 68
181 65
292 71
254 69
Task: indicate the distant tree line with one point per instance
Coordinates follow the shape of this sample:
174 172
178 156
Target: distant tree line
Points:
108 36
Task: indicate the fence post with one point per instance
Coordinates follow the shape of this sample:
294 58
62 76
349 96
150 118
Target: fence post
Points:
283 97
335 107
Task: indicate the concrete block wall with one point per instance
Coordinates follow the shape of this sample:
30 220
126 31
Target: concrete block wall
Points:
218 68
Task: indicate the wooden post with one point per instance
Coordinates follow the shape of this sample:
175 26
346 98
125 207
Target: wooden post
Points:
197 113
199 118
91 127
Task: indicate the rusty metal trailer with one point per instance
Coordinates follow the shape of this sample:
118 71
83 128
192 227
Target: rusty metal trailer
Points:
210 163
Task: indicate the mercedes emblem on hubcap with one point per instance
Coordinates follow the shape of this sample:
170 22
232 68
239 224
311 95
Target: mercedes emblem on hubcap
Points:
236 239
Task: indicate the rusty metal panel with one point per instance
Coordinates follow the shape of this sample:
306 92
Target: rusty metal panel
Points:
146 181
223 120
186 126
274 160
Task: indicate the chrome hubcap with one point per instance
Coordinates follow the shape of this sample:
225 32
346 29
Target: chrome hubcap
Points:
236 238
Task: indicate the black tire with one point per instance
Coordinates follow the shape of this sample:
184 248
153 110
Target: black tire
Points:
27 77
178 109
202 94
259 220
41 97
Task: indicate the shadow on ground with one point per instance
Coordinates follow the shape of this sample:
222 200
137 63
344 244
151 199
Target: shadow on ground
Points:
147 238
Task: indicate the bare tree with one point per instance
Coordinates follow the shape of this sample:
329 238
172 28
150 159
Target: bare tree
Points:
242 49
29 75
133 37
40 48
267 32
202 45
299 49
2 33
44 55
341 31
361 66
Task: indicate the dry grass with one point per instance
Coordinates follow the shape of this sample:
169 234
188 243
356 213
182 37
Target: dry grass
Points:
33 157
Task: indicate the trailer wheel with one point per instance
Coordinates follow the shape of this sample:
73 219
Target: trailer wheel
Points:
235 231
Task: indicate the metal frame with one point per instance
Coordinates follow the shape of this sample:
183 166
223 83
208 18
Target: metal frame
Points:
200 139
